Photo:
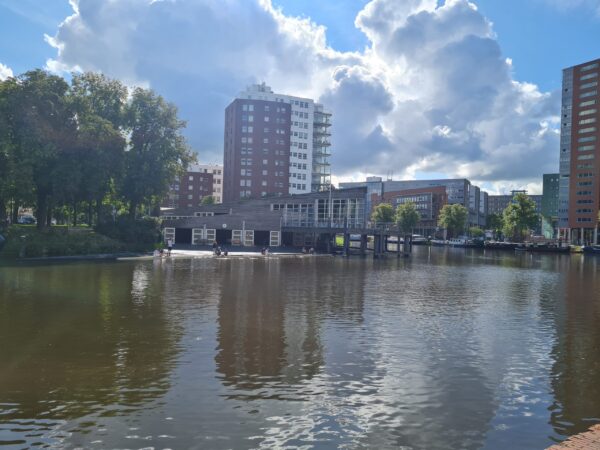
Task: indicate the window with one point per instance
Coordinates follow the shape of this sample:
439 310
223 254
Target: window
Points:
589 156
589 75
244 107
267 118
264 182
586 130
190 187
586 201
586 121
190 196
584 192
588 94
265 172
250 107
265 162
585 175
588 103
267 107
587 139
589 67
265 140
584 183
587 112
589 85
247 183
250 118
584 219
585 166
191 178
586 148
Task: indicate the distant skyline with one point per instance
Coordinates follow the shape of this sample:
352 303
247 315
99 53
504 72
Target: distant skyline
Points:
423 88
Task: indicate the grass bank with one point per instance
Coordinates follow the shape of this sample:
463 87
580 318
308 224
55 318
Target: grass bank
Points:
25 241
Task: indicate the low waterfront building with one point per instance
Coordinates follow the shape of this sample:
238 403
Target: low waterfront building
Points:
428 201
498 203
458 191
290 220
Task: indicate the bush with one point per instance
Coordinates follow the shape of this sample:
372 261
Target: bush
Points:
58 241
139 233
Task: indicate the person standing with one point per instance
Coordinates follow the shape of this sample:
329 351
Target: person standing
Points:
169 246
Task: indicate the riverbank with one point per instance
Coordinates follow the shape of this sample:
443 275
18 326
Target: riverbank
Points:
69 243
590 440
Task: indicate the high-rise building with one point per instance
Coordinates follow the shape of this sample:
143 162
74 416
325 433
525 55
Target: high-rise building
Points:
579 191
550 204
217 172
275 144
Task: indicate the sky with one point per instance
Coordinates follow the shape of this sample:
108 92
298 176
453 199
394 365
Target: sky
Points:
417 88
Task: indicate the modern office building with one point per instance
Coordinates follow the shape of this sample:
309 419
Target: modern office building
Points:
217 172
579 191
275 144
498 203
189 190
459 191
550 204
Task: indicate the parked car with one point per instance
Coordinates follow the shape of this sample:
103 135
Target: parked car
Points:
26 220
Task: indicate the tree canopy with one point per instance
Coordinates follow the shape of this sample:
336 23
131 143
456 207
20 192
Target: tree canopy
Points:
453 218
383 213
407 217
88 143
519 217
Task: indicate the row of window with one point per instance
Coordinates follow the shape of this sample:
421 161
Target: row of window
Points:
586 148
299 176
302 115
586 121
586 130
588 94
299 155
299 165
248 173
583 157
300 134
587 103
586 139
250 107
298 186
588 76
585 175
589 67
300 145
301 125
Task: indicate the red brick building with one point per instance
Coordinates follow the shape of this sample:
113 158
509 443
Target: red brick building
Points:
189 190
256 149
428 201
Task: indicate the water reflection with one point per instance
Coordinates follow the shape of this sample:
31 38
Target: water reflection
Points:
448 349
80 340
576 372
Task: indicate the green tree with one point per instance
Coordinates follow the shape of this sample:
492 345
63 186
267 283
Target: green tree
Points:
476 232
42 128
157 151
100 104
494 222
208 200
453 218
407 217
519 217
383 213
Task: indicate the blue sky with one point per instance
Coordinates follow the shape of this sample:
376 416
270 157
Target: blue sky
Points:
433 97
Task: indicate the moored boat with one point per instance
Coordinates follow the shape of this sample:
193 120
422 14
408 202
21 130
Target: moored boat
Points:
592 249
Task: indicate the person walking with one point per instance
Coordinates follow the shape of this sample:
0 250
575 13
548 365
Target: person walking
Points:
169 246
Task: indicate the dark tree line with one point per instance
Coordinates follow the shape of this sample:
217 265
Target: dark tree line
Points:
86 147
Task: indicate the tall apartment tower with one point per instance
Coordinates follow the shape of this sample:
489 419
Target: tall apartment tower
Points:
579 170
275 144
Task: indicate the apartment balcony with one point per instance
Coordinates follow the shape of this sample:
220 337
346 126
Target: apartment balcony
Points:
321 142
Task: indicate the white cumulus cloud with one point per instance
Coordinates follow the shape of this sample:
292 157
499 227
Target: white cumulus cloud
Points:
5 72
432 92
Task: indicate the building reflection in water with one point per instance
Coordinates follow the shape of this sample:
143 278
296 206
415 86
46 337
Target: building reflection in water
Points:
576 371
270 325
94 340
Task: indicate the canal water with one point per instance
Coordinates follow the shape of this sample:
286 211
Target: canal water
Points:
448 349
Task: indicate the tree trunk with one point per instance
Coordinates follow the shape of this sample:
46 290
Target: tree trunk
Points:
132 209
90 214
74 214
2 211
14 213
49 214
42 209
98 210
